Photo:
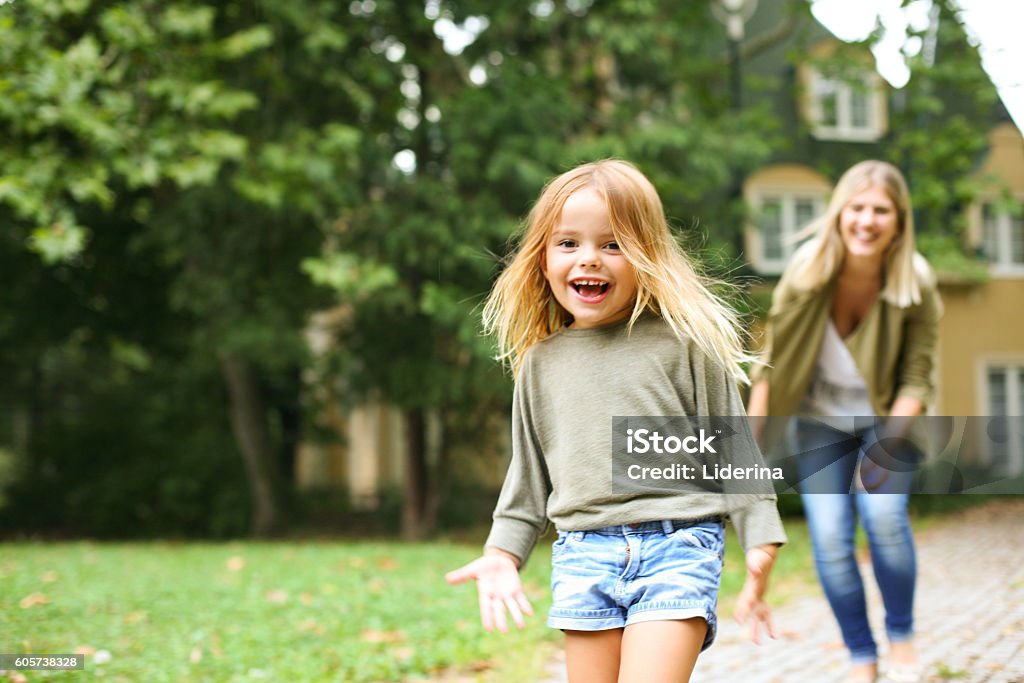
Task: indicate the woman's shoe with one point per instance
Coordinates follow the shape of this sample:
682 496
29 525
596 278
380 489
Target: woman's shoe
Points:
861 676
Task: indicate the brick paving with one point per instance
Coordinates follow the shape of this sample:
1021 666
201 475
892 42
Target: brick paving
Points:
969 614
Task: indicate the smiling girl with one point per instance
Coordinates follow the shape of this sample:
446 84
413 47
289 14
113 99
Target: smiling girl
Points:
601 314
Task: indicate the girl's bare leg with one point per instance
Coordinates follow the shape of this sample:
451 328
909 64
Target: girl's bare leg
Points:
593 656
661 651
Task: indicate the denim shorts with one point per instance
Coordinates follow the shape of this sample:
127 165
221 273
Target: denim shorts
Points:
620 575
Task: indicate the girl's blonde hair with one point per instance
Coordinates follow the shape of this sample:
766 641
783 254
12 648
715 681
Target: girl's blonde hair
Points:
521 309
818 260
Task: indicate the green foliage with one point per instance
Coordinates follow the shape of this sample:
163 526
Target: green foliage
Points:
174 139
124 451
939 132
946 255
187 181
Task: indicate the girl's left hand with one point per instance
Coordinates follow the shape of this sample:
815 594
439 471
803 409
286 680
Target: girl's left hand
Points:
750 604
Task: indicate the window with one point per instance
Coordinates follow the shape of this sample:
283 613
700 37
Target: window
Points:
1004 393
844 109
779 216
1002 239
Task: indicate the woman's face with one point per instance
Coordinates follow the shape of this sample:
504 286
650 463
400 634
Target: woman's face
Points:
869 223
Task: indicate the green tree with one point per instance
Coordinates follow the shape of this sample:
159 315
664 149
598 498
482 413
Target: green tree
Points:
940 133
192 121
457 154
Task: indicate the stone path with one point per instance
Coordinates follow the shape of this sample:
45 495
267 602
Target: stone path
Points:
969 614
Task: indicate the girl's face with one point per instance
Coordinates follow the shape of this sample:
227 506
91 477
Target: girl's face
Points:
588 274
868 224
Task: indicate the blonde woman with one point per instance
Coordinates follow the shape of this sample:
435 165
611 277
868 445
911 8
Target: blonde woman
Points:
852 332
601 314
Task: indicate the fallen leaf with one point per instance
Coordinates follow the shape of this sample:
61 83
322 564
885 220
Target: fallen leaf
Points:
403 654
235 564
312 625
276 596
387 564
481 665
371 636
34 599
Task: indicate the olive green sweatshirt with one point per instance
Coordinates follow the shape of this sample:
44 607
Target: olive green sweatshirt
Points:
569 388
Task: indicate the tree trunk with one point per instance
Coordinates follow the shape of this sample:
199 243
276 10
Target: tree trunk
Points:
438 482
249 424
416 483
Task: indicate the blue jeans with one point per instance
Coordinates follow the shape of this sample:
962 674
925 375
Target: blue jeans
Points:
832 519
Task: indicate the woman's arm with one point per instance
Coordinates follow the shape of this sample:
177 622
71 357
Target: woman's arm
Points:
921 333
757 407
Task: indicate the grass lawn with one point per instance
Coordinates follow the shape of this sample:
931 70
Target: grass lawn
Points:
296 611
254 611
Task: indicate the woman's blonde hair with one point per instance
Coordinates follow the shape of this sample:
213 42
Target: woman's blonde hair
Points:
819 259
521 309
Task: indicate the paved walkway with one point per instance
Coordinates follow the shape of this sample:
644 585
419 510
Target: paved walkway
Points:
969 614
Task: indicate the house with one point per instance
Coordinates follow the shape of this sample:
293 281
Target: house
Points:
837 110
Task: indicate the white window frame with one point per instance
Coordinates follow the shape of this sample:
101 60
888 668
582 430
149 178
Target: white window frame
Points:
844 128
788 198
1013 368
1000 259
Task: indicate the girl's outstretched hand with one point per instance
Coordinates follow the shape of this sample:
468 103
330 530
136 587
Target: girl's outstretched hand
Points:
498 587
750 604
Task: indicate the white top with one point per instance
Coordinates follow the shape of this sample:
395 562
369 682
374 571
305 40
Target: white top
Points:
837 388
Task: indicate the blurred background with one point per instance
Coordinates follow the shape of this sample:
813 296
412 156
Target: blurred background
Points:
243 245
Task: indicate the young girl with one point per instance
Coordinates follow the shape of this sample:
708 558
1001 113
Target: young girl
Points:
600 314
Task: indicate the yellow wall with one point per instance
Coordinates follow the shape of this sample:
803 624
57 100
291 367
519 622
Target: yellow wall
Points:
981 322
1006 158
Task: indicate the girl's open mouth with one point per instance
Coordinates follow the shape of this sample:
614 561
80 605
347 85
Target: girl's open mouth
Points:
590 290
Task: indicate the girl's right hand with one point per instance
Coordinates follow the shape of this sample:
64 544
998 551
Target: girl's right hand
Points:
498 587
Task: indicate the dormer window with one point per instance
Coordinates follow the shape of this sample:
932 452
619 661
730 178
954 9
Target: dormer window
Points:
848 109
842 98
